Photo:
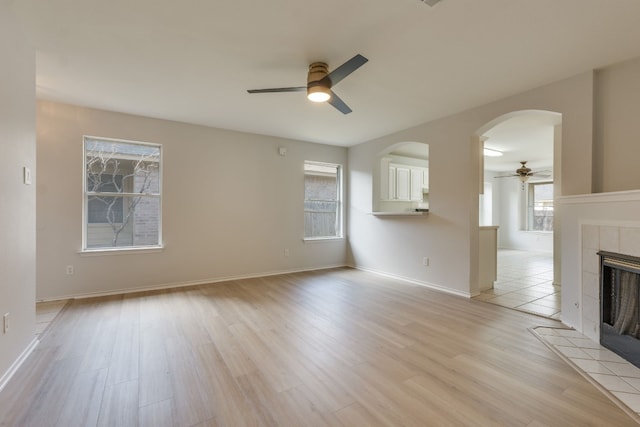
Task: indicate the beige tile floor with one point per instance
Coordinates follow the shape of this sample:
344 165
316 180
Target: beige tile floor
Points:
617 378
46 312
525 282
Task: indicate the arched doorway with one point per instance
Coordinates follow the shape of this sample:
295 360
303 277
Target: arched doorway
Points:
518 198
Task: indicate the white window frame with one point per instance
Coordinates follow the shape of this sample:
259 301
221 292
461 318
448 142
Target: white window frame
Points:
340 201
529 207
85 194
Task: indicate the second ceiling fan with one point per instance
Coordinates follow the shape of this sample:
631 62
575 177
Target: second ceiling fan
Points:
524 173
320 81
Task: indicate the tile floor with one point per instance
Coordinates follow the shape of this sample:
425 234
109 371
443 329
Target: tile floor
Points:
46 312
525 282
619 379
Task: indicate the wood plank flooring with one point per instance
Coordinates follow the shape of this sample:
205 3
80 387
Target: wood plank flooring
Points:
331 348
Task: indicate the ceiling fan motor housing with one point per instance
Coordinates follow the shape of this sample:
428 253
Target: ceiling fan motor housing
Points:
317 72
524 170
318 86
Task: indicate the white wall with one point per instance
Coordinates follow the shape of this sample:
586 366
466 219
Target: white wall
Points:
17 216
449 234
617 131
231 205
245 210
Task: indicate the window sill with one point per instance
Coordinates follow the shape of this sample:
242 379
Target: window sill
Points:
321 239
404 213
120 251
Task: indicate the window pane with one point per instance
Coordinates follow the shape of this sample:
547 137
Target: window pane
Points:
541 208
137 224
131 170
135 166
101 209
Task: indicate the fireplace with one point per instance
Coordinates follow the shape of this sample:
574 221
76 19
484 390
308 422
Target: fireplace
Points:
619 305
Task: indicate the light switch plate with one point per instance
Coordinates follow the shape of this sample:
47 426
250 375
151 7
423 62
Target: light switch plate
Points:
5 323
27 175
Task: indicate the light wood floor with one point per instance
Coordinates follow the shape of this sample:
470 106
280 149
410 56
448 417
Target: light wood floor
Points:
333 348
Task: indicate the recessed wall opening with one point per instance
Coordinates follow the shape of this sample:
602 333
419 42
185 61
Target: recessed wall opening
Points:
401 179
519 181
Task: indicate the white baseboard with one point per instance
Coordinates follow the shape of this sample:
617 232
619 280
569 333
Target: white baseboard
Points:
185 284
253 276
416 282
19 361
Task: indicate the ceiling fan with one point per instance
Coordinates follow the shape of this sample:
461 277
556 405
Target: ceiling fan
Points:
524 173
320 81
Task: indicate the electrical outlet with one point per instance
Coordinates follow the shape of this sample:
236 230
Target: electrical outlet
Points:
286 252
425 261
70 270
5 323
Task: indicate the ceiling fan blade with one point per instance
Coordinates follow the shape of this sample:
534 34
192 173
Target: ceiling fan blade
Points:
338 103
279 89
345 69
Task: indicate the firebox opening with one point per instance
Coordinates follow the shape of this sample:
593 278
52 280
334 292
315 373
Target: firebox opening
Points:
619 310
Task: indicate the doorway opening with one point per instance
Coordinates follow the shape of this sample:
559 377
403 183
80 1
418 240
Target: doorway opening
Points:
519 189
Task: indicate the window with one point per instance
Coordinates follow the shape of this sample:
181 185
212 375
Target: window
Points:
322 200
121 194
540 206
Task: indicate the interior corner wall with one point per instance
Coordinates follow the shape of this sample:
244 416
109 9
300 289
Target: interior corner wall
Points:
448 234
18 213
617 100
231 205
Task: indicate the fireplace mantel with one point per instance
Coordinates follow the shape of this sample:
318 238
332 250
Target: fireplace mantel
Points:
610 197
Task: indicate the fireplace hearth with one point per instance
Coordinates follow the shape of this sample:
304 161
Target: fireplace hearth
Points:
619 305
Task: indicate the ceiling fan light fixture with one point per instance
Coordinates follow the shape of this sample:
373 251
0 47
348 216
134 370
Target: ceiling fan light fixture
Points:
320 81
524 178
318 93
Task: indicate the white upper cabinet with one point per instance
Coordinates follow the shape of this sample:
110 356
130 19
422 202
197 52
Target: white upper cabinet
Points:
403 182
400 180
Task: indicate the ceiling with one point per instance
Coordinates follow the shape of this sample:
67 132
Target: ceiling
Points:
527 137
193 61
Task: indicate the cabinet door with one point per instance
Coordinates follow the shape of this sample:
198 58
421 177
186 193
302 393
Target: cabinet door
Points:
425 179
403 182
416 184
392 183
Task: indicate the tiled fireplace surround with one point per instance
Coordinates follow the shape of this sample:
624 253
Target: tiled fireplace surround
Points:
601 221
622 239
590 223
